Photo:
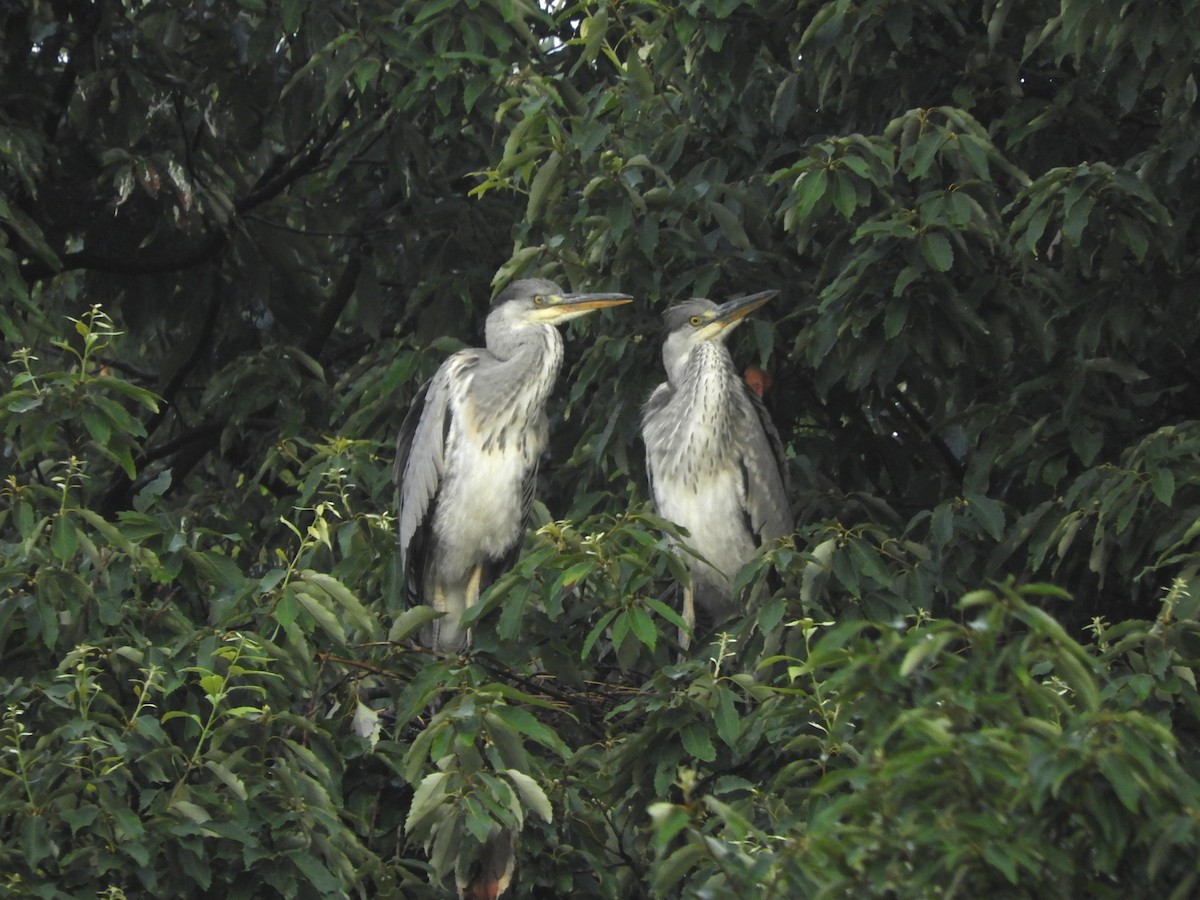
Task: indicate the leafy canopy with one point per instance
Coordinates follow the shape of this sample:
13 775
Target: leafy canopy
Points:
235 237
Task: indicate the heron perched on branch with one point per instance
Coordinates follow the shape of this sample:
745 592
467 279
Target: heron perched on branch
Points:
715 460
467 454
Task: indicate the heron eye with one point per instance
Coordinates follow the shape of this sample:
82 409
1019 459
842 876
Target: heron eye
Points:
538 300
695 320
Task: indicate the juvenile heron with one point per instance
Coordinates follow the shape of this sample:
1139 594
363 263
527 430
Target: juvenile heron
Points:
715 460
467 454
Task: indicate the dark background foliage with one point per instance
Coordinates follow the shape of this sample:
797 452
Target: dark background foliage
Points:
236 236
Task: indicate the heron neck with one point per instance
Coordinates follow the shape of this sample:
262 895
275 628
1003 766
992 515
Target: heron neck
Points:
707 385
527 366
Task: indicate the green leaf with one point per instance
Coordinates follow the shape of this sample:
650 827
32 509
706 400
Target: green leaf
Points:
643 626
356 613
64 539
286 609
731 225
543 181
190 811
410 622
228 778
525 723
810 190
845 196
669 819
365 72
988 513
620 628
597 630
1124 782
669 872
698 743
573 574
897 313
926 645
432 8
290 12
111 533
1076 220
1162 483
316 874
531 793
315 607
97 425
214 687
924 152
726 717
429 794
146 398
936 249
21 401
507 741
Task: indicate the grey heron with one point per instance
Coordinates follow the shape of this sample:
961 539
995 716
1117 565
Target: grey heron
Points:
715 460
467 454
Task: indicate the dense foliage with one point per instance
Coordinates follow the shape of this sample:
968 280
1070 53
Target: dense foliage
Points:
235 236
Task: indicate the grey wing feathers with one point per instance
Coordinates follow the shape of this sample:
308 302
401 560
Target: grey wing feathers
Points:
765 472
659 398
420 460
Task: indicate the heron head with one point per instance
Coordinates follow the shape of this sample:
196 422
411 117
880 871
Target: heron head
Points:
703 320
539 300
693 322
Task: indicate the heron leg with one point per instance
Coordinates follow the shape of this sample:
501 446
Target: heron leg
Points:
472 593
452 597
438 632
689 616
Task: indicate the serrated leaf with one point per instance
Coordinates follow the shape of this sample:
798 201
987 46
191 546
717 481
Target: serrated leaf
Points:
228 778
427 797
324 617
360 617
531 793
